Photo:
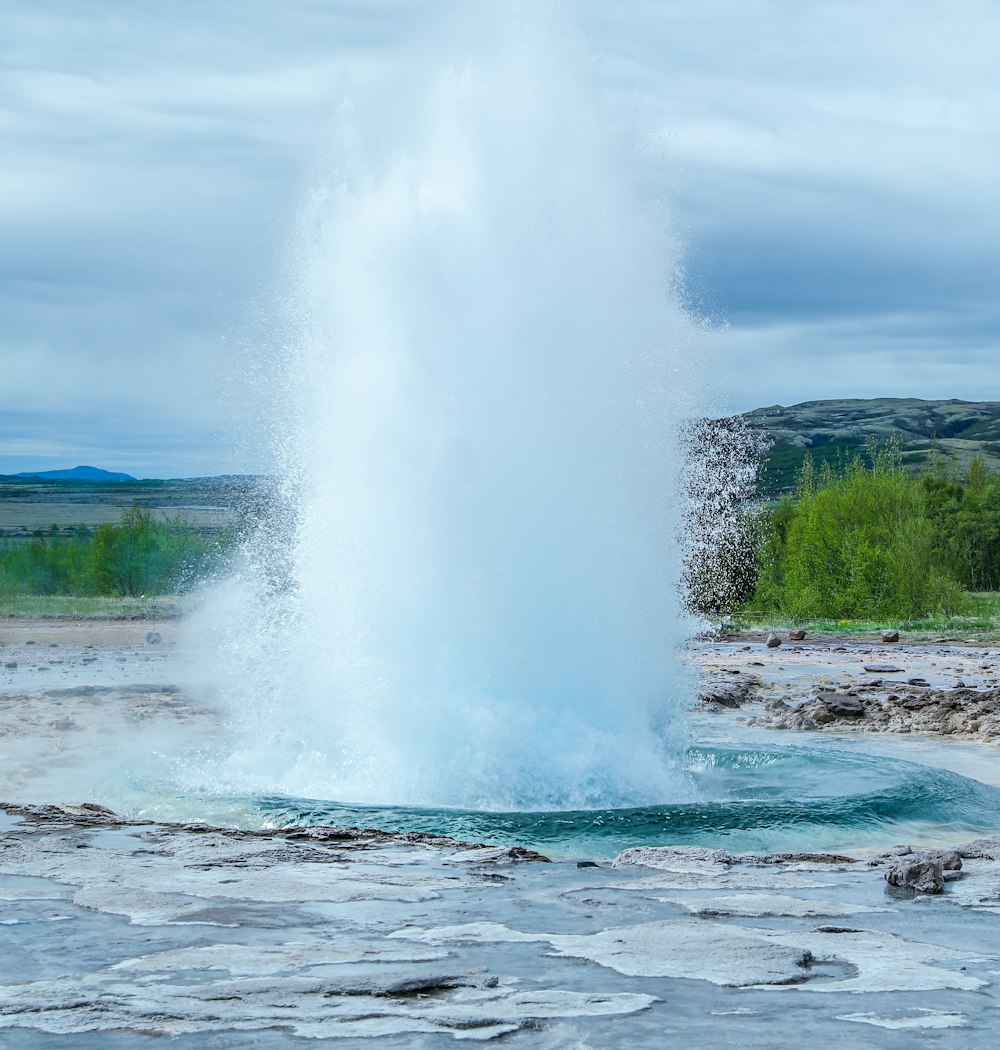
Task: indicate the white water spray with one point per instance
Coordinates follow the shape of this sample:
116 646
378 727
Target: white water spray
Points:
478 606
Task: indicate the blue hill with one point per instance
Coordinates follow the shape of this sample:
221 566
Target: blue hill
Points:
76 474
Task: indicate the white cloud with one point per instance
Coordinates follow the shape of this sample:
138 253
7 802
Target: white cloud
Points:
832 165
891 355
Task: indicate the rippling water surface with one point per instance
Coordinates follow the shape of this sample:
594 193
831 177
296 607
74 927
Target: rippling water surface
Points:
817 795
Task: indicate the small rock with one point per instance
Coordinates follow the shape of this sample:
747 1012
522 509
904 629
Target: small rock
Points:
917 873
917 681
890 636
732 695
153 637
841 706
95 807
796 858
883 669
817 712
980 849
950 859
11 666
890 855
668 857
773 641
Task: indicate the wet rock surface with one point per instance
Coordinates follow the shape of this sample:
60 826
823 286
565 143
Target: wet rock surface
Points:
118 932
921 874
113 926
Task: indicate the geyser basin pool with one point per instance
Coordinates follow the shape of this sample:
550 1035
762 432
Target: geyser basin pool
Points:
797 796
88 728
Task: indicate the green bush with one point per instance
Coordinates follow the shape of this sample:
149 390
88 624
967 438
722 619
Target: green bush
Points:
141 555
856 544
966 521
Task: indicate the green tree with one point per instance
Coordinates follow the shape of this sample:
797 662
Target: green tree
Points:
978 473
141 555
856 544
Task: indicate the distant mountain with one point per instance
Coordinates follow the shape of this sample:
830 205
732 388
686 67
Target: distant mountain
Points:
832 431
76 474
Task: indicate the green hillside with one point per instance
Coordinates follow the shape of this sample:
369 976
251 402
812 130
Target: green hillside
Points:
834 431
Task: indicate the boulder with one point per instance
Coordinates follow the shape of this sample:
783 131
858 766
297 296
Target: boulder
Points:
890 636
797 635
773 641
918 872
817 711
732 696
840 705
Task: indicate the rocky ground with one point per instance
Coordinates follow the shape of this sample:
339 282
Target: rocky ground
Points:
947 687
80 698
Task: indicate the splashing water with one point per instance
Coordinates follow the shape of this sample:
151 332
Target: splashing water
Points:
467 594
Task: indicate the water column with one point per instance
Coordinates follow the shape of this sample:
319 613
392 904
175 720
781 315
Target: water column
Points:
478 605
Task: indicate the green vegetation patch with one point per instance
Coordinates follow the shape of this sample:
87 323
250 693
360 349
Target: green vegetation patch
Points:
981 623
74 607
869 544
143 557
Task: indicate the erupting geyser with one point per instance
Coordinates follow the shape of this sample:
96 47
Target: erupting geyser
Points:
472 598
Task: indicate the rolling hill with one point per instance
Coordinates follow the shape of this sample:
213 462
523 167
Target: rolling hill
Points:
833 431
76 474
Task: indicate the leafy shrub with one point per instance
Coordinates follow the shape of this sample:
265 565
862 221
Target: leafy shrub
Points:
856 544
141 555
966 521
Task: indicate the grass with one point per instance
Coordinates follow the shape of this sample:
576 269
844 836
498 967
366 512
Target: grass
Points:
70 607
982 622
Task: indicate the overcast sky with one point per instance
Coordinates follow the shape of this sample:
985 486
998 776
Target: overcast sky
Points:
833 171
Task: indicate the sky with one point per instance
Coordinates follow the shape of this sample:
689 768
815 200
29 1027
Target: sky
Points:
831 171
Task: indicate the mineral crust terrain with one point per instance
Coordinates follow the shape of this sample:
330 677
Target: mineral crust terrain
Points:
119 925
